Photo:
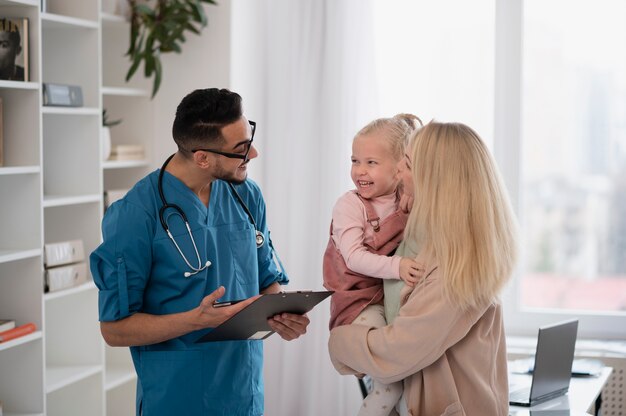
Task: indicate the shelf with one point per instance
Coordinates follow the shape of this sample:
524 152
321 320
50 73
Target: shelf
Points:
19 85
124 92
123 164
34 3
59 377
19 170
20 341
71 111
57 21
116 376
60 201
14 255
70 291
109 19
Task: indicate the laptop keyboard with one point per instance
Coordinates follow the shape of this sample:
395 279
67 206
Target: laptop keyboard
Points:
520 396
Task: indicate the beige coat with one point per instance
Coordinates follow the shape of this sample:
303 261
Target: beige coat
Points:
452 362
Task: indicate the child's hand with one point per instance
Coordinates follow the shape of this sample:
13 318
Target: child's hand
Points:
410 271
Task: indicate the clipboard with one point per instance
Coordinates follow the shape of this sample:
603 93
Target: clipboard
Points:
251 322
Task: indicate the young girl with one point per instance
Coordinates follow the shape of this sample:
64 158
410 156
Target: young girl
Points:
447 341
366 229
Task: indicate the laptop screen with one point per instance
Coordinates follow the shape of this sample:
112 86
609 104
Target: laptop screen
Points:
553 360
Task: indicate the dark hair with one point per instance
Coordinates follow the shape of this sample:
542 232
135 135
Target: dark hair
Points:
201 115
7 25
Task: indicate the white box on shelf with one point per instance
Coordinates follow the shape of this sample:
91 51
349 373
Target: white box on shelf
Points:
64 252
64 277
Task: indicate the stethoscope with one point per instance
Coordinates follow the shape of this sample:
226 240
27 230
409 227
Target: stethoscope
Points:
260 238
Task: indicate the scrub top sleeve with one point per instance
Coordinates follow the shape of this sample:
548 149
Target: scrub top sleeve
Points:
270 267
121 264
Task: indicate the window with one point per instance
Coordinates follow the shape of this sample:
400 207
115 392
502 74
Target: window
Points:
574 155
544 83
435 63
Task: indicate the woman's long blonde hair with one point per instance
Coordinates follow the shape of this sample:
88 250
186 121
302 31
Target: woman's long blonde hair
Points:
461 216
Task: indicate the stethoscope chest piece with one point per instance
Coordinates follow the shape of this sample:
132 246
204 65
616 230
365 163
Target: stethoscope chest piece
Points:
260 239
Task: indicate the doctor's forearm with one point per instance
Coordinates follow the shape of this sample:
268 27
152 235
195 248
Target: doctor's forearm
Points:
145 329
273 288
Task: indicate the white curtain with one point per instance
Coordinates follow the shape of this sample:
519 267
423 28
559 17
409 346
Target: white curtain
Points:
306 72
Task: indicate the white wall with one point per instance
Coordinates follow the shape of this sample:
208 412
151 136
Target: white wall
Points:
204 63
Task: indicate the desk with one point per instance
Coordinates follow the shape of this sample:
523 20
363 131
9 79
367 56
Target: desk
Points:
584 393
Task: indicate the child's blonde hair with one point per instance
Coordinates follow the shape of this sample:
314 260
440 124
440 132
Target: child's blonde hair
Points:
398 129
461 215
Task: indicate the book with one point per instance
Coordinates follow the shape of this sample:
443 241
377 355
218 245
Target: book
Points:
6 324
14 33
17 332
127 152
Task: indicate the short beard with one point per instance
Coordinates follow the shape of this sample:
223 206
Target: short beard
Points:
226 176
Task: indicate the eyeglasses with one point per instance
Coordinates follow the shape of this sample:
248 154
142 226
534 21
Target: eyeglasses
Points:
243 156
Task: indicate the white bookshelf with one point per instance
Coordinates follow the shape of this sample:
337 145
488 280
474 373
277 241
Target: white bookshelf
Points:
16 85
125 92
125 164
50 20
71 111
22 170
21 225
63 376
7 256
51 186
59 200
21 340
131 103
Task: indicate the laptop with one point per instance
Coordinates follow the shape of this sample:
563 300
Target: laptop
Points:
553 365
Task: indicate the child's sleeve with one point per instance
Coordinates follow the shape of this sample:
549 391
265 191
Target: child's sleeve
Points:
349 222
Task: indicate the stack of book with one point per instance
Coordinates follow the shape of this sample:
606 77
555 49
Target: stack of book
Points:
127 152
9 331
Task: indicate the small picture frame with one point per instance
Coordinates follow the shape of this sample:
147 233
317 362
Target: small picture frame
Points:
14 41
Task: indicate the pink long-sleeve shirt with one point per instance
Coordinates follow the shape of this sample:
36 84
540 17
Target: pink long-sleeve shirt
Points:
350 230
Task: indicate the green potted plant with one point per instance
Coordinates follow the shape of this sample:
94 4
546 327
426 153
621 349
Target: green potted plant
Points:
159 26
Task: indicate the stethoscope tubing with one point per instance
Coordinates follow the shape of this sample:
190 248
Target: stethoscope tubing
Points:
259 237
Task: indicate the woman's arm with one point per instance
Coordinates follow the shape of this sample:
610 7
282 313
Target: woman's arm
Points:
424 329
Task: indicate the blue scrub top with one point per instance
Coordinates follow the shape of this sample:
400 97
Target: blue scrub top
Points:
138 269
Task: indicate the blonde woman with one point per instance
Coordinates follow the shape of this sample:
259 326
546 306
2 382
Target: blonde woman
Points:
447 341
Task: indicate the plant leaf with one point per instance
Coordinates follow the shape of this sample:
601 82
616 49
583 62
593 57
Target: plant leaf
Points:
145 10
149 64
159 26
158 73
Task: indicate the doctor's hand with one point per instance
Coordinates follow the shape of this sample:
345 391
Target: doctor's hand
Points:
288 325
207 316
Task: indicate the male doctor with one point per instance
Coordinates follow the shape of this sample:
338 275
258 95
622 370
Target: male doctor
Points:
158 280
